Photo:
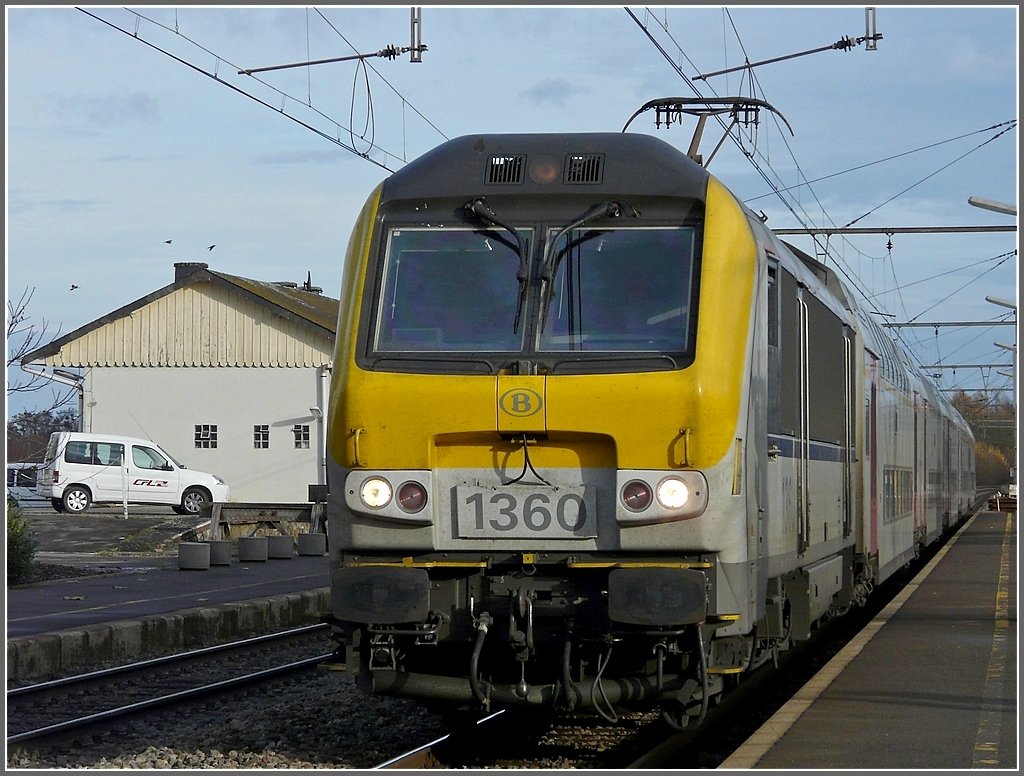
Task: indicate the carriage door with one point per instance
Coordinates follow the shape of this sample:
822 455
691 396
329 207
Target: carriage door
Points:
803 447
871 451
919 528
786 408
774 471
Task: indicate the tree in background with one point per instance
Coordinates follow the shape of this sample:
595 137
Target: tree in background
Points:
23 337
993 423
29 431
991 465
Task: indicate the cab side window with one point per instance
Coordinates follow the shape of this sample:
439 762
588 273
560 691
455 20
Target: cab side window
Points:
148 458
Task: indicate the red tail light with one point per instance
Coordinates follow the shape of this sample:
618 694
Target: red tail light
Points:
412 497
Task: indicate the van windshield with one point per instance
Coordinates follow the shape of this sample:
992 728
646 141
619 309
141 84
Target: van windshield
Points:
147 458
178 463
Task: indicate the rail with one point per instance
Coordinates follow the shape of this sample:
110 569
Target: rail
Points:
52 696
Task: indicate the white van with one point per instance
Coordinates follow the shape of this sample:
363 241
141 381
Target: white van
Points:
83 468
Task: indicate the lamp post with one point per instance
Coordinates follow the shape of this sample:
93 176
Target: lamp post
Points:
993 205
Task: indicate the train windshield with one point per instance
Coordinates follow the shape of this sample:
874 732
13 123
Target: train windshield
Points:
621 290
450 290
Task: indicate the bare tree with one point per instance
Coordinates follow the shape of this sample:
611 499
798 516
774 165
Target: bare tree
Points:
23 337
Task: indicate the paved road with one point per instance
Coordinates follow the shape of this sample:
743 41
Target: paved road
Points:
146 530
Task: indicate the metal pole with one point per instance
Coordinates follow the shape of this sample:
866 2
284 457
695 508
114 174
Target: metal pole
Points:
927 324
898 230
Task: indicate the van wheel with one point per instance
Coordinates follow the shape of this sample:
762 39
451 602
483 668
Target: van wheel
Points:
76 499
193 500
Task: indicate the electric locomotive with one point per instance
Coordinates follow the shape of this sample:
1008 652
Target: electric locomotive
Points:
597 438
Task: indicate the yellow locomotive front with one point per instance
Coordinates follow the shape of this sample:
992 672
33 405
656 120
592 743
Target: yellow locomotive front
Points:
539 407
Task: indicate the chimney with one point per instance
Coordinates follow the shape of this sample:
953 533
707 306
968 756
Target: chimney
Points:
308 285
182 269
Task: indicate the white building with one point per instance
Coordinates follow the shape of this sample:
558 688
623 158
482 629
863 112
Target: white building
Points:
229 375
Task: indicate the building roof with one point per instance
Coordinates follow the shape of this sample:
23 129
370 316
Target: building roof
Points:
303 307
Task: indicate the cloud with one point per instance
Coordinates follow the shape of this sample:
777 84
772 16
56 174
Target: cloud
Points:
555 91
104 110
301 157
20 203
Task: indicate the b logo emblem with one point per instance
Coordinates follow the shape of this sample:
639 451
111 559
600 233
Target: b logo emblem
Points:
521 402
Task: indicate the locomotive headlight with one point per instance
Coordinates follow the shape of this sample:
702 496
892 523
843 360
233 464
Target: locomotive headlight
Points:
673 493
636 495
649 496
375 492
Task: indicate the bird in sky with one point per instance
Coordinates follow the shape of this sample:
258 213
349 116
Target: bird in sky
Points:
73 287
211 247
167 241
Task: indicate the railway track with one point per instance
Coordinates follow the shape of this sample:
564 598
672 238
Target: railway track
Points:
75 705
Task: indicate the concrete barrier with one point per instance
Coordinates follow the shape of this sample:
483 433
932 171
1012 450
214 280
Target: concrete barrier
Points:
312 543
193 555
280 546
49 655
220 552
252 548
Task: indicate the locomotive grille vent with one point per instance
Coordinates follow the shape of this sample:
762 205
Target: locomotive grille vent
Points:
584 168
506 169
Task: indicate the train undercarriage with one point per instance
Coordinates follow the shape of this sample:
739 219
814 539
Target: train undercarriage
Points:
598 640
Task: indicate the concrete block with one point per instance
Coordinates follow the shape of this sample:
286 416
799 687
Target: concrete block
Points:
280 546
220 552
252 548
193 555
312 543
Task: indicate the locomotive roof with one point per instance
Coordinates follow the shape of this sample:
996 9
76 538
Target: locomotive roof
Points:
615 162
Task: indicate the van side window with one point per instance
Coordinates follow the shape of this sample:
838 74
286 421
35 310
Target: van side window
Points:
108 454
94 453
78 452
147 458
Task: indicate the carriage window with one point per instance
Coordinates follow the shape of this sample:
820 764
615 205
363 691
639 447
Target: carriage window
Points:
448 290
622 290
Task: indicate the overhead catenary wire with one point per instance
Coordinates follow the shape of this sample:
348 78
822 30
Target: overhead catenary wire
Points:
214 75
779 190
961 288
284 96
749 154
405 102
1011 123
956 269
930 175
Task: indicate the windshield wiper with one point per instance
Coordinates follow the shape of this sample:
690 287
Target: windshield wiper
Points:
549 264
479 208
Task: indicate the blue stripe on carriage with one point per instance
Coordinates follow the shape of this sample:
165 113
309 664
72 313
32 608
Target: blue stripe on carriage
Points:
820 451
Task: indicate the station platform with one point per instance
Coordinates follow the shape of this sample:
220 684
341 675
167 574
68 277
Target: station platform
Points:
930 684
134 606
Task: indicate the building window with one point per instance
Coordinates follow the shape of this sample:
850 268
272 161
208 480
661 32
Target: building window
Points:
206 435
261 437
301 437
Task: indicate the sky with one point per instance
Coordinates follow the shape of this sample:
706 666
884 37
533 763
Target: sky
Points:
132 142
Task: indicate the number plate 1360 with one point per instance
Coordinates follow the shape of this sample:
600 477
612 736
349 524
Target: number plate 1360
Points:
544 513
